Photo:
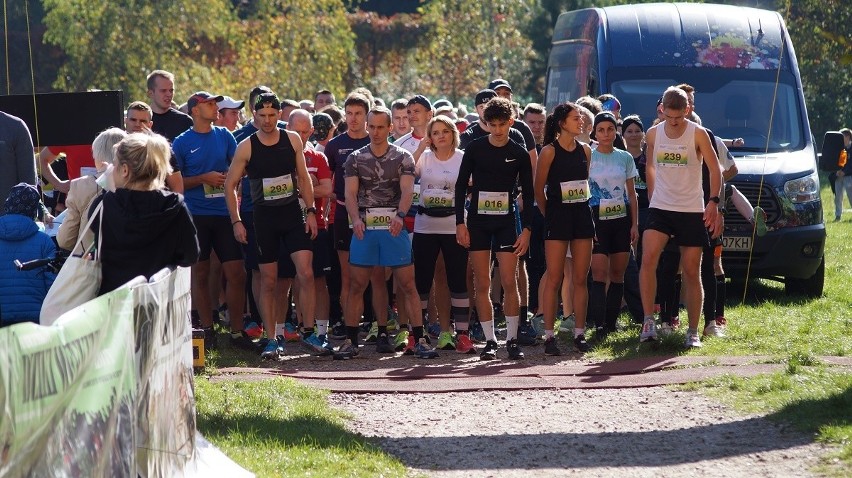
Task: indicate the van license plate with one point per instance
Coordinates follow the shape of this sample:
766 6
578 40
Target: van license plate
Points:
736 243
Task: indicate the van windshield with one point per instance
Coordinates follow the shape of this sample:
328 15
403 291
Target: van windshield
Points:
733 103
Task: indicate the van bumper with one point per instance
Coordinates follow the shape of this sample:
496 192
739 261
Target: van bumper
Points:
794 252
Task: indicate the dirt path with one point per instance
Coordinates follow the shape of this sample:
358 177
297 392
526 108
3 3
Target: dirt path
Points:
639 432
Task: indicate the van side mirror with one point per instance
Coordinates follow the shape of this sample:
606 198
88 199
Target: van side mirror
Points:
832 145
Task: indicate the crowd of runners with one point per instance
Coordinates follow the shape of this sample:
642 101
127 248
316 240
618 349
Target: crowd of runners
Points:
419 227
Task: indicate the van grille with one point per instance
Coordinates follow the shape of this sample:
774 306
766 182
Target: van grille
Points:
768 201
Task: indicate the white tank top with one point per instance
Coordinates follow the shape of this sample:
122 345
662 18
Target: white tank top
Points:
677 183
438 189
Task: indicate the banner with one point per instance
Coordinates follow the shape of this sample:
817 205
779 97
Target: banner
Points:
67 393
165 406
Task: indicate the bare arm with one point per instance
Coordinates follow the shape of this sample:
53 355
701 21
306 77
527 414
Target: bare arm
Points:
306 186
540 178
711 210
235 174
650 163
351 197
45 157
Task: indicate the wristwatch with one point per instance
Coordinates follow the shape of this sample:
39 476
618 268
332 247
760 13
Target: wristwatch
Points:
715 199
401 214
311 210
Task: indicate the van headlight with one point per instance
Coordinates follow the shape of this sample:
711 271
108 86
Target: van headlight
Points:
803 190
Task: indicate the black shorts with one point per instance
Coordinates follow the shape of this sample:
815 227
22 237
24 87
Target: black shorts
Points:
342 231
686 228
216 233
250 249
320 263
612 236
279 226
498 235
566 222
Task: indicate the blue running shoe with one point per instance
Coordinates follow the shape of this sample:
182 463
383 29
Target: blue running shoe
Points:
476 333
314 345
434 330
274 349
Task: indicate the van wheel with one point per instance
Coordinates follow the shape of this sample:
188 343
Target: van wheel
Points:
810 287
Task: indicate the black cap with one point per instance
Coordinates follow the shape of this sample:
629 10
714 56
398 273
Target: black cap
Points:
626 122
484 96
264 98
499 83
601 117
420 100
322 125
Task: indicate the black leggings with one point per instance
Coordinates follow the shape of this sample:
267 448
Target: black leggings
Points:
426 248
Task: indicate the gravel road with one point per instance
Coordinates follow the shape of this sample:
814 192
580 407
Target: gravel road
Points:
640 432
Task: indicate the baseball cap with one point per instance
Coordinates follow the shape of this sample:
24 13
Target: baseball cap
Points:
201 97
229 103
443 102
420 100
264 98
484 96
499 83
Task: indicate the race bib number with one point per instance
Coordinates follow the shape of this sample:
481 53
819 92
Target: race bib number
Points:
575 191
672 155
438 198
611 209
379 218
492 203
211 192
278 188
415 196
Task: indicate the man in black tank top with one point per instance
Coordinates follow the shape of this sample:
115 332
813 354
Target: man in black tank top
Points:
275 163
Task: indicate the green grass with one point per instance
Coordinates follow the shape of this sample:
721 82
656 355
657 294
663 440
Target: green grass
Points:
280 428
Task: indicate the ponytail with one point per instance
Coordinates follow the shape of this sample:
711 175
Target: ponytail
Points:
554 120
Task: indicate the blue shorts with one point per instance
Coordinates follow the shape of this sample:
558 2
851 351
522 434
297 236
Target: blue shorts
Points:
380 248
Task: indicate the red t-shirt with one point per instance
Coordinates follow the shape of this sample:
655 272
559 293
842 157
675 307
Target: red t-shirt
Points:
318 166
76 157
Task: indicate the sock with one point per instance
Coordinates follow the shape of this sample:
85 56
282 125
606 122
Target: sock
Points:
306 332
512 327
383 329
613 305
235 334
417 330
488 329
524 309
597 304
352 334
322 327
279 330
721 293
578 331
548 333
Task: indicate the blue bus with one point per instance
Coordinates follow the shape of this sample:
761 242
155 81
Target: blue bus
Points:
742 64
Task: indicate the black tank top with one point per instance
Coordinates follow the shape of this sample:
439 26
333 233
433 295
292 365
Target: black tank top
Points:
271 171
566 166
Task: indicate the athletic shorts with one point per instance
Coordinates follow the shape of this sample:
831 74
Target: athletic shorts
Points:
342 231
321 266
216 233
497 235
250 249
612 236
568 222
380 248
686 228
279 226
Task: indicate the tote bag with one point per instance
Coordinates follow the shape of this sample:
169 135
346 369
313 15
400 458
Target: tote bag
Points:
79 279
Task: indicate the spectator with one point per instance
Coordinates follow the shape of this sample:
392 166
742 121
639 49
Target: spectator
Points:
22 292
17 163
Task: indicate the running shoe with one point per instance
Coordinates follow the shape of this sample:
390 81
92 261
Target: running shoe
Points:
338 331
721 322
692 341
489 352
254 330
464 344
581 344
477 335
515 352
759 218
424 351
666 329
274 349
409 346
383 345
566 325
713 330
649 330
445 341
291 333
326 345
537 322
346 351
434 330
675 322
241 340
221 316
527 334
401 340
314 344
551 347
373 333
393 324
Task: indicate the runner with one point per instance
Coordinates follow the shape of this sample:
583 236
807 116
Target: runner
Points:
494 164
563 167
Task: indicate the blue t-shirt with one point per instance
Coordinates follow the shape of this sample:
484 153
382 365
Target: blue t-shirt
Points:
608 174
337 150
200 153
